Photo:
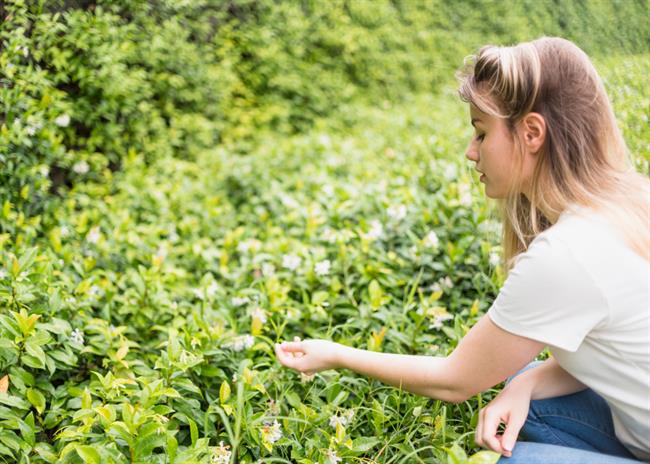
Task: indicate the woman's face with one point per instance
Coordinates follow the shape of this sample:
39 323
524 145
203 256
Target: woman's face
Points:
493 150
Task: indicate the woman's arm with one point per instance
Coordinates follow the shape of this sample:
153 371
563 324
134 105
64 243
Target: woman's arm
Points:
484 357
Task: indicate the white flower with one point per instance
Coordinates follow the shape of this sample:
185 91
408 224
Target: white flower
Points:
465 194
438 319
290 262
260 314
248 245
397 212
3 274
322 268
212 289
65 231
494 259
329 235
268 269
220 454
376 230
344 419
31 130
332 457
94 290
239 301
94 235
77 336
328 190
81 167
25 50
431 240
450 172
62 121
324 139
271 432
242 342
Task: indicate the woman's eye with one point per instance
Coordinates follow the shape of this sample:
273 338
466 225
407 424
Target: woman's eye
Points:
480 137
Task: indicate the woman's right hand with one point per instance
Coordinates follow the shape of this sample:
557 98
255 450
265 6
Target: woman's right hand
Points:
309 356
509 407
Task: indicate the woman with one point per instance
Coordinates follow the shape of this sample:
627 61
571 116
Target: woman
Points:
576 220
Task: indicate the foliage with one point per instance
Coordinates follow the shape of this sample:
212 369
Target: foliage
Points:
231 174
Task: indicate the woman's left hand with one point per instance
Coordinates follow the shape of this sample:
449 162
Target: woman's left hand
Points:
509 407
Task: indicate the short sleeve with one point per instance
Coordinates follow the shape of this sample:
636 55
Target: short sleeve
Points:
549 297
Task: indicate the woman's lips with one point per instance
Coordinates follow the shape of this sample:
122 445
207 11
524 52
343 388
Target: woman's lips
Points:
482 178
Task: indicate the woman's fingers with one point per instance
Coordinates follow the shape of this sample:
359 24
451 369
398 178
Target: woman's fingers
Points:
491 421
515 423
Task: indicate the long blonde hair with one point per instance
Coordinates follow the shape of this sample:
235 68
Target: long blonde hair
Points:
584 160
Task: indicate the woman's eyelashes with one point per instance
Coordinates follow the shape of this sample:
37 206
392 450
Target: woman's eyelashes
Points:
479 137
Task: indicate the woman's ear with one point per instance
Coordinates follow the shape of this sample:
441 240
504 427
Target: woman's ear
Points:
533 126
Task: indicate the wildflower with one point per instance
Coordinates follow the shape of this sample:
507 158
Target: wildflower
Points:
465 195
271 432
376 230
25 50
274 407
344 419
450 172
94 290
431 240
194 342
332 457
77 336
438 319
268 269
62 121
260 314
31 130
242 342
329 235
239 301
397 212
94 235
494 259
305 378
220 454
290 262
3 274
328 190
81 167
322 268
212 289
324 139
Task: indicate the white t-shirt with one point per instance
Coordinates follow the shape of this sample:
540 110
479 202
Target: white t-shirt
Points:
580 289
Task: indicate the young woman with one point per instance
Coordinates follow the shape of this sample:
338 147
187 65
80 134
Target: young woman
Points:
576 220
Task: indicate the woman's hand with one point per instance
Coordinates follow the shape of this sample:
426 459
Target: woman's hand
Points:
309 356
510 407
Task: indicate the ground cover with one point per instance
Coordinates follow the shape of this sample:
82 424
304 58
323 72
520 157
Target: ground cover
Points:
141 315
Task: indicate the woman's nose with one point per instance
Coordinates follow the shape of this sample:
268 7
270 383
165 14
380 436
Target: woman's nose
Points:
471 153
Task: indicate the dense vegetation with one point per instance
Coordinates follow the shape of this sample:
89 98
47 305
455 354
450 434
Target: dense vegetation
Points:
185 183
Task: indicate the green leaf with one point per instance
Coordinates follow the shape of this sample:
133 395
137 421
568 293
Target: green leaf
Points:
172 447
37 399
14 401
194 431
484 457
363 444
456 455
224 391
89 455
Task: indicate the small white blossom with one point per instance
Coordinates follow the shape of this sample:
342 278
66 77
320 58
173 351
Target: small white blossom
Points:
268 269
325 139
62 121
397 212
450 172
438 319
431 240
328 190
212 290
376 230
332 457
94 290
465 195
322 268
220 454
239 301
94 235
290 262
77 336
81 167
3 274
344 419
241 343
494 259
25 50
272 432
260 314
329 235
65 231
31 130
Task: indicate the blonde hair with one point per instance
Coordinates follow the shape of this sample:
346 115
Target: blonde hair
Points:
584 160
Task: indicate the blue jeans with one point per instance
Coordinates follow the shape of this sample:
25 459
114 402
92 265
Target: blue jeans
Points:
570 429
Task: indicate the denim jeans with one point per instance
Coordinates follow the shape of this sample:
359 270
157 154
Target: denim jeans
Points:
570 429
